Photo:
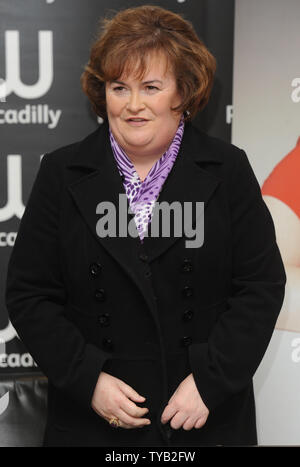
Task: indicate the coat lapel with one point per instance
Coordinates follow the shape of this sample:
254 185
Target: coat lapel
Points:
98 180
188 183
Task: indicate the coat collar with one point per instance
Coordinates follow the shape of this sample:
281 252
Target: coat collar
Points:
99 180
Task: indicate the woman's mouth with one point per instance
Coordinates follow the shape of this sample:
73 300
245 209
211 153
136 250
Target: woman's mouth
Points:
136 121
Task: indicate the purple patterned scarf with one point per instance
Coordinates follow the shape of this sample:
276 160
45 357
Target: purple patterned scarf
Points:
142 195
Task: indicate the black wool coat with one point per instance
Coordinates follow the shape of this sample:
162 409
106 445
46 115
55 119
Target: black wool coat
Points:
152 313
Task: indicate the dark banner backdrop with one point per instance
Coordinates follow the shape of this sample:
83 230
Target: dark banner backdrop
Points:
44 45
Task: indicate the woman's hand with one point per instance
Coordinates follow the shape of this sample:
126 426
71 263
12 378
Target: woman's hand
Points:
186 409
114 398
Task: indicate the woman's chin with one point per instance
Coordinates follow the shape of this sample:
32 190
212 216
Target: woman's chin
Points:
138 142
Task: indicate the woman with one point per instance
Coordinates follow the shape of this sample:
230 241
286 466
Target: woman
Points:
151 335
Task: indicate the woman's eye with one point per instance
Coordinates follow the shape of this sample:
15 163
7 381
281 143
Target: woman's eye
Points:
151 87
148 88
118 88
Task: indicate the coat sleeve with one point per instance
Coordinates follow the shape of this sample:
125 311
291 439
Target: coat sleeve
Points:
36 295
227 362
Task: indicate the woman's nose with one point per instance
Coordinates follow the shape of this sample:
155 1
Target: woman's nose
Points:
135 103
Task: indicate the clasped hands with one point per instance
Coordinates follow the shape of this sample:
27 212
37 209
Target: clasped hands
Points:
114 398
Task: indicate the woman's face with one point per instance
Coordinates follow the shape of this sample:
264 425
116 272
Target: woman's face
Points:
149 99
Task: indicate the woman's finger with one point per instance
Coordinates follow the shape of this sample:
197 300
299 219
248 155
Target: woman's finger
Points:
168 413
133 422
178 420
189 423
132 409
200 422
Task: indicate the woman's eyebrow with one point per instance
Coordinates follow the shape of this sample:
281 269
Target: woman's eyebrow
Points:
145 82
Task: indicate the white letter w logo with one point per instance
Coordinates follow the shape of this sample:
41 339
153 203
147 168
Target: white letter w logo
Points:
13 83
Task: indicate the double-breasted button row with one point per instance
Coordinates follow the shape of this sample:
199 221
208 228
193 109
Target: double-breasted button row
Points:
187 316
95 269
144 258
187 292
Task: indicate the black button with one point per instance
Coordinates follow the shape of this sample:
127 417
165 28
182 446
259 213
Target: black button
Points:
100 295
143 257
107 344
148 274
104 319
186 341
187 265
95 268
187 291
188 315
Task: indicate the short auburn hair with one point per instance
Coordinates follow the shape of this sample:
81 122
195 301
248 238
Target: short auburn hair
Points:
130 37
